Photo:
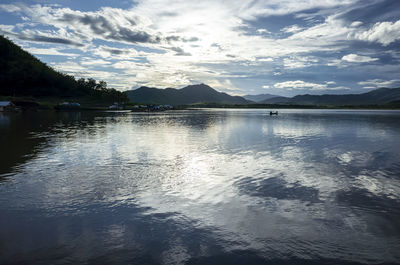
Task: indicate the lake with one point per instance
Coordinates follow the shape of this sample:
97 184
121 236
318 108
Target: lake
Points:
210 186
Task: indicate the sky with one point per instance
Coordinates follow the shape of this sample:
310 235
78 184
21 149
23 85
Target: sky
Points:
281 47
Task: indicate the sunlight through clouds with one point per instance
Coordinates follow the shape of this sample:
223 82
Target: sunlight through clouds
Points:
235 45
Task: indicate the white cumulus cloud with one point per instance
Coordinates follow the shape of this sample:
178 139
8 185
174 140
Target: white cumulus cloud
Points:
382 32
354 58
301 85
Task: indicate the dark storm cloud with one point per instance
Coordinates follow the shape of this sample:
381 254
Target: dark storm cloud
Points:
40 38
125 34
32 36
100 25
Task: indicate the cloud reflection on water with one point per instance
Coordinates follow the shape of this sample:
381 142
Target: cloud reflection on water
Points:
288 186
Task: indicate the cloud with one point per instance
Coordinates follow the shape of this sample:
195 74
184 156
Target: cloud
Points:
50 51
263 31
250 9
10 8
224 85
95 62
69 67
301 85
108 52
354 58
38 36
180 52
174 43
376 83
292 63
167 25
298 62
42 38
6 28
382 32
191 39
105 24
292 29
355 24
268 59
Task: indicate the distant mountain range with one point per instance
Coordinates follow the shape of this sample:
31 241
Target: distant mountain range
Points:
379 96
260 97
188 95
197 94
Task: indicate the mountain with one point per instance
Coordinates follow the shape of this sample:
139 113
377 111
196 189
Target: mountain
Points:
22 74
275 100
260 97
188 95
204 94
378 96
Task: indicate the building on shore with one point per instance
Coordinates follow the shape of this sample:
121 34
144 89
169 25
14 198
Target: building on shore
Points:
7 106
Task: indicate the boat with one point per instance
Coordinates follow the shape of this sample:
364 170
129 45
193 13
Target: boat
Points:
273 113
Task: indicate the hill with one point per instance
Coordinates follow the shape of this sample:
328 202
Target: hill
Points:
188 95
275 100
378 96
260 97
22 74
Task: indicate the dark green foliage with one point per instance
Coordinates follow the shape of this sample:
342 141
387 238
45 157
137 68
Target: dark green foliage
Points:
21 75
188 95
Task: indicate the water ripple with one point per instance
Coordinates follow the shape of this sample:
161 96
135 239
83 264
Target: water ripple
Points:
201 187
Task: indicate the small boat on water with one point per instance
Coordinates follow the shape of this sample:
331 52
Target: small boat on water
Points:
273 113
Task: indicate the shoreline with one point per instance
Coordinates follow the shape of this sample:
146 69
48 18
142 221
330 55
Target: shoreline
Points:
34 104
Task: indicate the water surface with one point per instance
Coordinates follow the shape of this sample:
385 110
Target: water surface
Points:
200 187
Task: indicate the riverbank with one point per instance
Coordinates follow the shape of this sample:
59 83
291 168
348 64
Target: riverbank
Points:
89 104
282 106
55 103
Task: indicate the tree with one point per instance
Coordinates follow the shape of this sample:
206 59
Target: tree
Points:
102 86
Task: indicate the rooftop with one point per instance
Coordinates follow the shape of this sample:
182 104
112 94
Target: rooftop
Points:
4 103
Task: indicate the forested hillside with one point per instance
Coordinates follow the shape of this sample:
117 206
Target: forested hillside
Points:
22 74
